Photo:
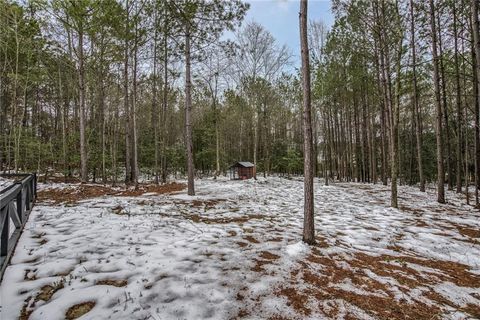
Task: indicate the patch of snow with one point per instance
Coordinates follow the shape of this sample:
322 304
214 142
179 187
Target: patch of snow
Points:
297 249
181 260
461 296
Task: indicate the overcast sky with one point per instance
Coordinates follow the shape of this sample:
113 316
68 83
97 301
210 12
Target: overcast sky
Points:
280 17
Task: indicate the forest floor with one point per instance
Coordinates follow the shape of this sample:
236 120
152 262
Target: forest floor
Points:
234 251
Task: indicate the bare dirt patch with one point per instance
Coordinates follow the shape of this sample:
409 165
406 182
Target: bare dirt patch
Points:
296 299
269 256
72 195
379 299
59 179
251 239
47 291
79 310
45 294
206 204
112 282
242 244
222 220
266 258
152 188
468 232
75 193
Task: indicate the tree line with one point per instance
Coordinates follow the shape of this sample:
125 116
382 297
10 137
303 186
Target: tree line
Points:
398 93
111 90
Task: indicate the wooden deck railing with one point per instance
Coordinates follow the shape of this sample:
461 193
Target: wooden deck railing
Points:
16 202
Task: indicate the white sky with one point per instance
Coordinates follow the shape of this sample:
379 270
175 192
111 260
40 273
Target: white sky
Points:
280 17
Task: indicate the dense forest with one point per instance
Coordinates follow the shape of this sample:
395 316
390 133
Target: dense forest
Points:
173 159
110 90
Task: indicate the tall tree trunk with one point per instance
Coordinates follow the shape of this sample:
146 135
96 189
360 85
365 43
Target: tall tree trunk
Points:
458 101
391 108
126 98
325 149
116 125
418 119
438 105
255 137
372 144
466 109
215 119
445 108
308 222
103 125
102 71
133 111
165 97
81 89
395 120
382 88
476 44
64 117
188 110
154 102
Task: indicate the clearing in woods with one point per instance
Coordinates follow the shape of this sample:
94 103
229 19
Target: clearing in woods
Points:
233 252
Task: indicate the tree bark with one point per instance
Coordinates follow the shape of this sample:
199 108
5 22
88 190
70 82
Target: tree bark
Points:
476 44
154 113
446 132
418 119
81 89
391 107
458 101
217 138
308 224
126 99
133 112
188 110
438 106
165 98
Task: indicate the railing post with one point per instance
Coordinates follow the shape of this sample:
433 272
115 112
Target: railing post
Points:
34 185
5 234
16 202
20 204
28 195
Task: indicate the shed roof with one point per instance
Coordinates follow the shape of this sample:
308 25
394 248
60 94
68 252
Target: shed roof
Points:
244 164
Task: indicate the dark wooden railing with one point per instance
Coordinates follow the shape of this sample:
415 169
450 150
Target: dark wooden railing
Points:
16 202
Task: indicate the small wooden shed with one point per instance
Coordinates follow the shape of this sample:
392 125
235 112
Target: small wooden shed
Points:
242 170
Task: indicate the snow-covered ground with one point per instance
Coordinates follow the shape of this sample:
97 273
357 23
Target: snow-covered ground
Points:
234 251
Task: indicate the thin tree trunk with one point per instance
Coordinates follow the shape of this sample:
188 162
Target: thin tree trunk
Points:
476 45
391 108
459 105
255 137
217 139
126 99
466 108
445 108
154 102
188 110
165 99
438 105
116 125
418 119
133 111
64 140
308 224
81 87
